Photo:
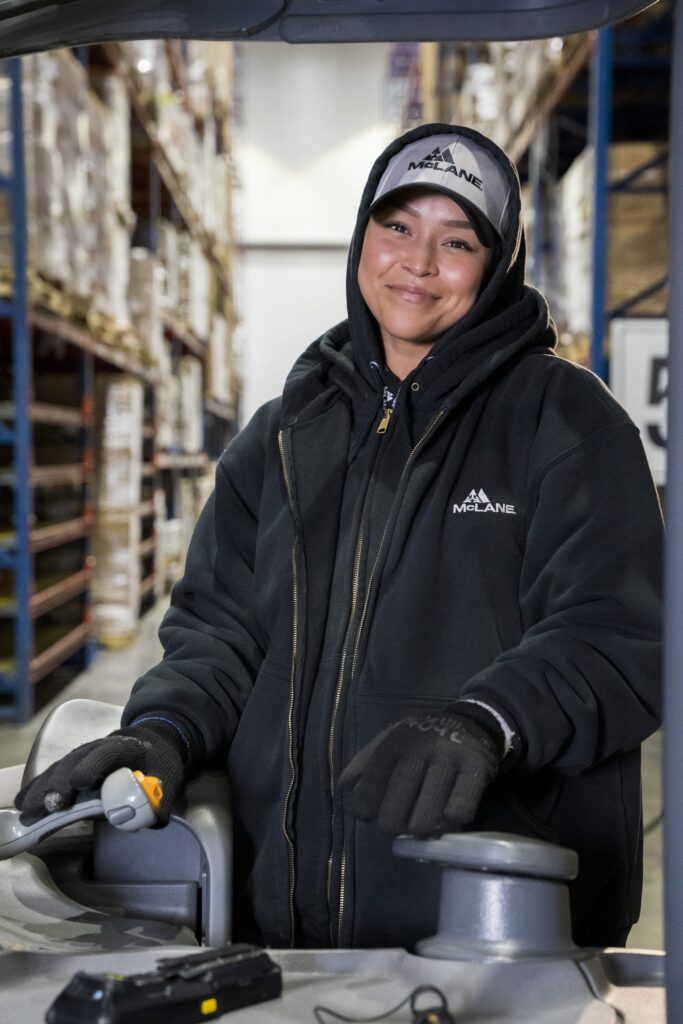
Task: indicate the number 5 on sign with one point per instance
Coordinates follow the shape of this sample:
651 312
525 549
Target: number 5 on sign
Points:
639 378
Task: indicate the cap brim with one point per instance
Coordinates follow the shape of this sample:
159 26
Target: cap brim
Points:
483 228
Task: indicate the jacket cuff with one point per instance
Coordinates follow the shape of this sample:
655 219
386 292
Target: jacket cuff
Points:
491 719
181 732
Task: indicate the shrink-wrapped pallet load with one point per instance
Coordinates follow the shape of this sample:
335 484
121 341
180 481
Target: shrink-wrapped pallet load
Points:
637 234
218 382
116 539
190 419
77 170
116 581
171 551
145 296
119 407
167 399
168 253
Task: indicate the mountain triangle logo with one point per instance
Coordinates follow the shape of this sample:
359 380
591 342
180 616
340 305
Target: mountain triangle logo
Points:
477 496
440 154
479 501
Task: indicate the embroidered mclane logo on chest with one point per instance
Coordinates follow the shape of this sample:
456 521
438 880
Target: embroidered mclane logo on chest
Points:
479 501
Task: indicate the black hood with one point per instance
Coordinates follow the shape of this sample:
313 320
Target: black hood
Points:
509 317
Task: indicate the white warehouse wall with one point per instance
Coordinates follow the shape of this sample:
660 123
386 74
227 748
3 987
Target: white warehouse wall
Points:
313 124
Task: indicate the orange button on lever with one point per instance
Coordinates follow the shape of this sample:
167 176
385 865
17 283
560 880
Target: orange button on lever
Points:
152 789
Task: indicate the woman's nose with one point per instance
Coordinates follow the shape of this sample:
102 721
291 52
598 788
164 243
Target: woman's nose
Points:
419 257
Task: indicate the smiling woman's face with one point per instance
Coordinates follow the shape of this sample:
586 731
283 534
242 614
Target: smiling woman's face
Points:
421 268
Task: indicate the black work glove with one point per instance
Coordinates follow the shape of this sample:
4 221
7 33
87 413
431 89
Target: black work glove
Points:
425 774
155 748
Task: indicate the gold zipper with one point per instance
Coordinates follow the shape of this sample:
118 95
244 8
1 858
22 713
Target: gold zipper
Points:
368 589
338 692
384 422
290 717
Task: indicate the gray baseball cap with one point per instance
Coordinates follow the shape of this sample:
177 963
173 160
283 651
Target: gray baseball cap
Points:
459 168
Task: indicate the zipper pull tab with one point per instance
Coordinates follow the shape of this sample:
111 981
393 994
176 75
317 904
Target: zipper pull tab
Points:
384 422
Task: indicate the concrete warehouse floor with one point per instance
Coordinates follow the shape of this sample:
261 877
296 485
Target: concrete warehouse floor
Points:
113 673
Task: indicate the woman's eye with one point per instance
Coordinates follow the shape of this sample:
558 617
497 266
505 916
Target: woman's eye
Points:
395 225
459 243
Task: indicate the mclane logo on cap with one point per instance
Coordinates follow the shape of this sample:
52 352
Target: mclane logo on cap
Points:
442 160
478 501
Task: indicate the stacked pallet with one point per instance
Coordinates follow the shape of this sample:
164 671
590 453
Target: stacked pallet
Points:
189 121
494 87
79 222
116 541
637 237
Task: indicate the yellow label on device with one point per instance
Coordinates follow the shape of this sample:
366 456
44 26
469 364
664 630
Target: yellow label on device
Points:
209 1006
152 788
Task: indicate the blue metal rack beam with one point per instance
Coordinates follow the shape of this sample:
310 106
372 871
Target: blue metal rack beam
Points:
16 311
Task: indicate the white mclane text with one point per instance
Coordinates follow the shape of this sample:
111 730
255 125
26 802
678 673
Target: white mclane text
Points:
478 501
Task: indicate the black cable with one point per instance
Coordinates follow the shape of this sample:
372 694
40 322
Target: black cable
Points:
441 1014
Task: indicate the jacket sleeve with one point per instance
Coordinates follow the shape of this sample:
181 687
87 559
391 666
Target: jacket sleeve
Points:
212 645
584 681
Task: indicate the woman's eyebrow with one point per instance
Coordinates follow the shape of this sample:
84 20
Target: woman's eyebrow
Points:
447 223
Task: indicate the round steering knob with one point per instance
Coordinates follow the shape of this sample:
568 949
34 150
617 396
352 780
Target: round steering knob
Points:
503 897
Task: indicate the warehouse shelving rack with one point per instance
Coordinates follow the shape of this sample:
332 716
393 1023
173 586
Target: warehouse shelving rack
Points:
15 550
30 658
602 77
165 193
586 100
24 323
582 96
616 53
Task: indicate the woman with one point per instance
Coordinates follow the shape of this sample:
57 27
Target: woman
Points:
425 593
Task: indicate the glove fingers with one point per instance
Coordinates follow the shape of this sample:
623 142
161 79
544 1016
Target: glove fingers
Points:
56 779
400 795
465 797
91 771
371 786
427 816
357 765
31 799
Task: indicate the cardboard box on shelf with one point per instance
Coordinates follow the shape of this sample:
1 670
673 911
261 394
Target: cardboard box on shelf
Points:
119 404
186 503
167 399
77 197
218 368
145 295
116 580
637 234
499 83
168 254
195 286
118 140
190 406
171 551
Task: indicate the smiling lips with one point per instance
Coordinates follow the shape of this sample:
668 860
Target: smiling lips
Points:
410 294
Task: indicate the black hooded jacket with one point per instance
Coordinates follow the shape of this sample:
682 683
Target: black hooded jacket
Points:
501 542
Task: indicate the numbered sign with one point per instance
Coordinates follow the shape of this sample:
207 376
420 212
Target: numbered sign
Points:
639 378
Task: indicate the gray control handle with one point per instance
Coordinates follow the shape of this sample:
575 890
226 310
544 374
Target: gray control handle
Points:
122 800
